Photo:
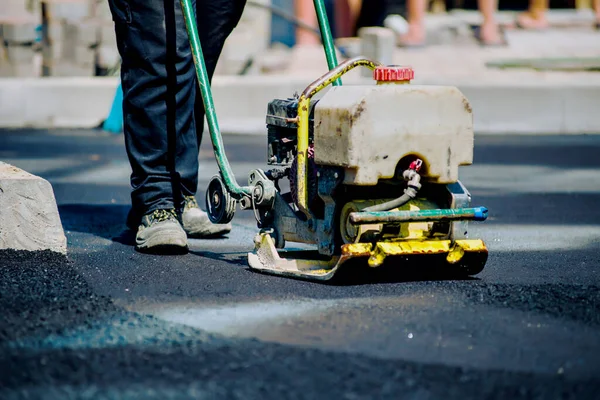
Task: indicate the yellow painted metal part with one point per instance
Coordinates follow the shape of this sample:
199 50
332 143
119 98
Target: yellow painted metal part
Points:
411 230
303 119
301 157
410 247
465 246
266 258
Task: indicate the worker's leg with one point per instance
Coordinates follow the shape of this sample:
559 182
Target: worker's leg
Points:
158 99
305 12
216 20
158 110
535 16
158 79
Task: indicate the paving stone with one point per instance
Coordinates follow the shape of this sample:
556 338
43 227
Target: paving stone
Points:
19 29
29 218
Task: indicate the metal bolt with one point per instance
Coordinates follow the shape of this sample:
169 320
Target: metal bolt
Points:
318 174
336 175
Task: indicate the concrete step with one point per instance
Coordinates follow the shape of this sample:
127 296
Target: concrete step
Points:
520 103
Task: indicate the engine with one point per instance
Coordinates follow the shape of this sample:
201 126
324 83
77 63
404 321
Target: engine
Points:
282 141
282 130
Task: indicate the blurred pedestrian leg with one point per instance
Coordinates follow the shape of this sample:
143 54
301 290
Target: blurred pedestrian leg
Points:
489 33
535 16
305 12
415 36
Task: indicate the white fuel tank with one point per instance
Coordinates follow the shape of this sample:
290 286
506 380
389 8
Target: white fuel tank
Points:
369 129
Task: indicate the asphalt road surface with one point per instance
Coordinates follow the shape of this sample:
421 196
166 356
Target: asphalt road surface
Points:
109 322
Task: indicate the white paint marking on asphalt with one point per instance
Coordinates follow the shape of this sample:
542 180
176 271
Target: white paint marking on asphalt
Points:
513 238
118 173
511 179
498 179
238 319
41 166
498 237
248 319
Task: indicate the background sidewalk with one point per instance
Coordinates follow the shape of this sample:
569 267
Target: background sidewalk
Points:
504 100
454 55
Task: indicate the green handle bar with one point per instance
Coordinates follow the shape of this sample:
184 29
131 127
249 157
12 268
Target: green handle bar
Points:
327 37
237 191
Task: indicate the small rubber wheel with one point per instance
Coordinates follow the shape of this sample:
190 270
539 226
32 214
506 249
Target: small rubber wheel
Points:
220 206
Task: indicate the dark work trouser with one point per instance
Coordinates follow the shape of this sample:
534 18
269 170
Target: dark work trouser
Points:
162 105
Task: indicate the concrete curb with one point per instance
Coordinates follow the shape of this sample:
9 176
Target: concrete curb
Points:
524 106
29 218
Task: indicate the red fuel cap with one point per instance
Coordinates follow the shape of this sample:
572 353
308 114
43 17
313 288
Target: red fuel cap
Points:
393 73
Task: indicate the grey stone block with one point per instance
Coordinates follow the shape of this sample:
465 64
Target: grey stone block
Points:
108 36
26 70
85 56
377 44
19 54
29 218
52 53
68 61
78 39
55 31
12 7
107 56
249 39
67 9
19 30
70 69
103 11
84 32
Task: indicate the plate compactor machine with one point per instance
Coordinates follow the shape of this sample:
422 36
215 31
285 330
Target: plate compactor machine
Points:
372 172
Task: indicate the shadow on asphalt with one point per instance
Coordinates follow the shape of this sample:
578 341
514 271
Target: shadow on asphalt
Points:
106 221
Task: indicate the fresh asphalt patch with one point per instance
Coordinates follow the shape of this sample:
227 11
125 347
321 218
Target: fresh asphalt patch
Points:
58 339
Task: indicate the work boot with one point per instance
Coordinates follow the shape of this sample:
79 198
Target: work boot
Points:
196 223
160 232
